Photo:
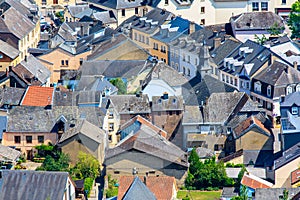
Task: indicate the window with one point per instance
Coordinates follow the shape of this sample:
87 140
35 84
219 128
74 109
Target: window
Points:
135 36
1 55
202 10
202 21
188 59
255 6
176 53
289 90
295 110
183 57
269 91
172 64
55 1
231 80
40 138
67 62
29 139
166 2
62 62
247 85
147 40
189 72
155 46
227 79
264 6
196 61
123 12
183 70
111 126
257 87
283 2
136 11
269 105
176 66
223 77
235 82
18 139
163 49
298 88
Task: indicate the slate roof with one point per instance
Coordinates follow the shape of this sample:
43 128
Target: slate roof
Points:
291 99
38 96
287 156
150 142
159 103
114 42
255 182
224 49
16 19
32 184
11 96
278 74
195 92
119 4
227 101
34 69
153 183
95 84
106 17
113 68
151 21
89 97
8 50
77 9
274 193
3 125
256 20
94 115
130 104
137 190
64 98
85 128
256 58
8 154
38 119
191 114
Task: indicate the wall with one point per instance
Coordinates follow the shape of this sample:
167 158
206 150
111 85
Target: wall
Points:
163 56
283 174
254 140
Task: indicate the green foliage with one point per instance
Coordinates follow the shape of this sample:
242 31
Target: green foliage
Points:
86 167
285 194
275 29
207 174
240 176
294 20
44 150
260 40
244 192
88 185
112 189
60 16
119 83
234 165
58 163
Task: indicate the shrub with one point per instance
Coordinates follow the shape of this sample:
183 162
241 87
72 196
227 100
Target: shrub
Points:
88 185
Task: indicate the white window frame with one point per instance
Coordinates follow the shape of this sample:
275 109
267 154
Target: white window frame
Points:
269 90
257 87
294 110
289 90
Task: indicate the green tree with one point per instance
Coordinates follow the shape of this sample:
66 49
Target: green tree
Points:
240 176
260 40
119 83
275 29
294 19
285 195
58 163
86 167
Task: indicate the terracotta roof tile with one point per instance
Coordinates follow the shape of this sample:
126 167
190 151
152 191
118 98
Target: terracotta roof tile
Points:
38 96
254 182
155 184
295 176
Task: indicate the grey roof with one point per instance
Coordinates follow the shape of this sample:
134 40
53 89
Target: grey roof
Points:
113 68
256 20
76 9
204 152
85 128
274 193
11 96
287 156
16 19
172 103
151 21
291 99
94 115
65 32
38 119
3 124
168 74
130 104
106 17
36 68
95 84
149 141
191 114
32 184
89 97
263 158
8 50
224 50
229 192
118 4
137 190
64 98
8 154
196 92
277 41
227 102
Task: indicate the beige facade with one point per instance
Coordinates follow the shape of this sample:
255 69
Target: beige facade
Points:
5 62
25 142
142 39
58 4
254 140
283 174
59 59
159 50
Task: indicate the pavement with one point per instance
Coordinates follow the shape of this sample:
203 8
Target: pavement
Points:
31 165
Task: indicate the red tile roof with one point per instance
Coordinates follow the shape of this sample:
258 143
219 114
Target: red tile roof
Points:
38 96
295 176
254 182
161 187
244 125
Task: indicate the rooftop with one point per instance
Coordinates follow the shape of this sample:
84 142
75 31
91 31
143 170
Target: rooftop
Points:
38 96
255 182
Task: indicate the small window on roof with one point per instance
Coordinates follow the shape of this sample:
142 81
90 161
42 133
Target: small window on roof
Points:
294 110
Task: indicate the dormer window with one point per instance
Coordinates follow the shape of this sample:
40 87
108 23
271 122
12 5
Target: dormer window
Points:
257 87
289 90
294 110
1 55
269 89
298 88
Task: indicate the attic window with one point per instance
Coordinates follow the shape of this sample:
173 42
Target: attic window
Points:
269 91
289 90
1 55
294 110
298 88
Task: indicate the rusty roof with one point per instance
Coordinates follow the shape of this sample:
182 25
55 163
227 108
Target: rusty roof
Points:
38 96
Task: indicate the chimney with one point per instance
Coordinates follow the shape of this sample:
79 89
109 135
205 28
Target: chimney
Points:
25 58
217 42
81 30
165 96
215 33
192 27
295 64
